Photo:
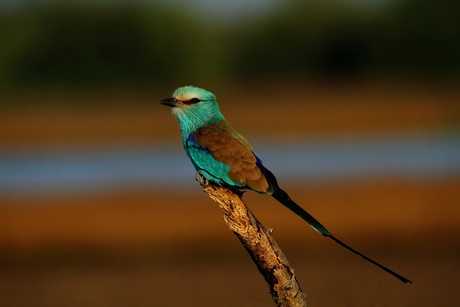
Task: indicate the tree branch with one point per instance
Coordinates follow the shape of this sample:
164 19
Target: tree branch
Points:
262 248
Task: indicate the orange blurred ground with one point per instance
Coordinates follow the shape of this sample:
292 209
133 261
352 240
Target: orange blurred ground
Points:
157 248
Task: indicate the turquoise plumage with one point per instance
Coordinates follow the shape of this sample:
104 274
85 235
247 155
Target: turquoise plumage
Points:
223 156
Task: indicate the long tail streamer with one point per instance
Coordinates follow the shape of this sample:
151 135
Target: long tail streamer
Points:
284 198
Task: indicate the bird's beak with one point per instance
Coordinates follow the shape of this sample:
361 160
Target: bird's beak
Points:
170 102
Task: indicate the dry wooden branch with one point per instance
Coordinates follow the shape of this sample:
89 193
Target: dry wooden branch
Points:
262 248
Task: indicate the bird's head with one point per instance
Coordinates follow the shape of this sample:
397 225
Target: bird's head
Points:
193 107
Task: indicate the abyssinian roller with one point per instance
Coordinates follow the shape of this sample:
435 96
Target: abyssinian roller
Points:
224 157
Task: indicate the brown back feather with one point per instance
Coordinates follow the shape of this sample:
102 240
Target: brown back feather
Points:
230 148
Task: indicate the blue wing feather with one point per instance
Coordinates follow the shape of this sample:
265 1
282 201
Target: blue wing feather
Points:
205 164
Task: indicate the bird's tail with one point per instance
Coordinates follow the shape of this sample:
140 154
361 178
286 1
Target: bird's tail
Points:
284 199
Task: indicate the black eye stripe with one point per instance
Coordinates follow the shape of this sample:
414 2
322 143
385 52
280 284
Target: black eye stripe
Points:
192 101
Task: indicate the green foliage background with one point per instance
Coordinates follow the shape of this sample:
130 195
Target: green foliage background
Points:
69 44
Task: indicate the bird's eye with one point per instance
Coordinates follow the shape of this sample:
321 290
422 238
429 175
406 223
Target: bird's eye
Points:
195 100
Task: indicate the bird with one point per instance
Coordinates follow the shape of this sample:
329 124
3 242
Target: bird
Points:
224 157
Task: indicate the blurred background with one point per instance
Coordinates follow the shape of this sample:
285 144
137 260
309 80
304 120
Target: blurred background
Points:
353 104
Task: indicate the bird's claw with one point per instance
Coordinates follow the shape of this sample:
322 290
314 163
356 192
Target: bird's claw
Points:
200 178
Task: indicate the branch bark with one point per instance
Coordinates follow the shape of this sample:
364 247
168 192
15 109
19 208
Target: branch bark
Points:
256 239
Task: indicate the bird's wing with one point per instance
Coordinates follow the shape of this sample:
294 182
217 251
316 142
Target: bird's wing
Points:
225 154
204 162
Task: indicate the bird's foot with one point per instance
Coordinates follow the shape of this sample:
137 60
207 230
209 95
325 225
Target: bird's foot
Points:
200 178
